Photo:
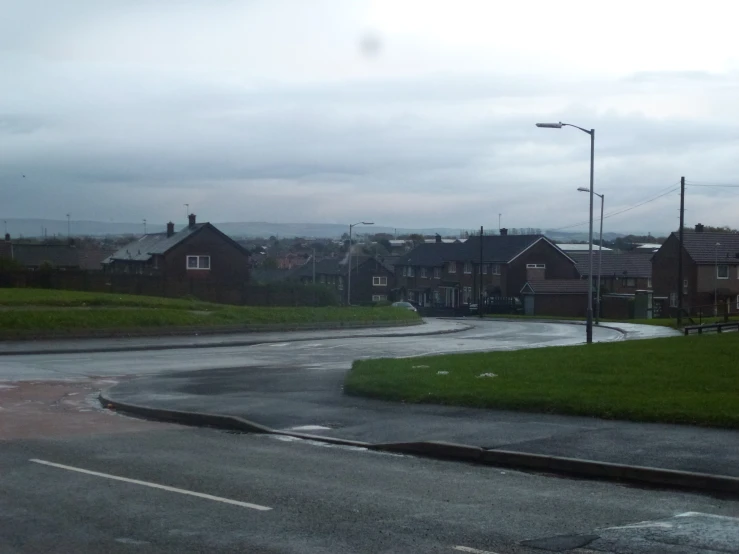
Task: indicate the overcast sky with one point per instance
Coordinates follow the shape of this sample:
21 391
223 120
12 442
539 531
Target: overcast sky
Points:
408 113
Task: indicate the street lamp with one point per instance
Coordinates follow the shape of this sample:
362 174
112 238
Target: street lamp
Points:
715 281
349 279
591 132
600 253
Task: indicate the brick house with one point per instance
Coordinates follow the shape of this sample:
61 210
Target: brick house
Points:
35 255
372 280
621 272
197 252
710 269
444 274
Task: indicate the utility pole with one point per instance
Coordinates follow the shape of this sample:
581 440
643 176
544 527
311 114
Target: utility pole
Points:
144 220
69 227
680 254
499 216
479 299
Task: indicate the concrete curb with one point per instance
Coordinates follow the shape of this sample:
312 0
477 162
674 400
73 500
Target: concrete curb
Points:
226 344
574 467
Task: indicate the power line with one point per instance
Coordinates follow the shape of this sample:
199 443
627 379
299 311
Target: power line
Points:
672 188
719 185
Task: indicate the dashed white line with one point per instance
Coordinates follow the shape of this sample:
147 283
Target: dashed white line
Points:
153 485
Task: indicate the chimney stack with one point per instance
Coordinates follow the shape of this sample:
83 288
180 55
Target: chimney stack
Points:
438 237
503 232
7 237
170 229
191 220
699 228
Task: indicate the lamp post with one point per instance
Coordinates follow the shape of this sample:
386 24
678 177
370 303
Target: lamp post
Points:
591 132
715 281
349 264
600 253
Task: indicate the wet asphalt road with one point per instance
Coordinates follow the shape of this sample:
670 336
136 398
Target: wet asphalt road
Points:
321 500
323 353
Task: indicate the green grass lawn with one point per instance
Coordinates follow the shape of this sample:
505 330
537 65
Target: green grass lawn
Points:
24 311
692 380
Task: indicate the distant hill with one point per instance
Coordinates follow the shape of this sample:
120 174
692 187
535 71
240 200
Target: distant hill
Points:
52 227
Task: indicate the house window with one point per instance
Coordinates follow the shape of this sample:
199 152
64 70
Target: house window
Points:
437 273
411 295
341 283
467 294
649 282
467 267
379 281
423 273
495 269
485 269
673 300
379 297
410 271
737 301
536 266
685 286
629 282
452 267
405 271
198 262
722 271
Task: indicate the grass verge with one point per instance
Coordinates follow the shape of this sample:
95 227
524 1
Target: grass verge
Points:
690 380
31 310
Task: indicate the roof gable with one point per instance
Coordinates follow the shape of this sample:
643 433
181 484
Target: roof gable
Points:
632 264
703 249
146 246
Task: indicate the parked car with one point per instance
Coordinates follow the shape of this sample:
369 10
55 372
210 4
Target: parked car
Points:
406 305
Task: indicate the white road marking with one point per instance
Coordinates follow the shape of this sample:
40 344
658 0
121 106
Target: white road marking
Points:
701 514
472 550
153 485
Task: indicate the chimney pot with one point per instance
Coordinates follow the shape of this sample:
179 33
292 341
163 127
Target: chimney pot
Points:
170 229
503 232
191 220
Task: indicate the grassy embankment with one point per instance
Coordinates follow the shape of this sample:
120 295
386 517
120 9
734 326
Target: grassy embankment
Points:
691 380
41 310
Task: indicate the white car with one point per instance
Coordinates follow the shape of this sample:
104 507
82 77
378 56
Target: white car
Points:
406 305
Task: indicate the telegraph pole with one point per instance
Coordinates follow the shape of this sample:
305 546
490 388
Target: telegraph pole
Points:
680 254
479 300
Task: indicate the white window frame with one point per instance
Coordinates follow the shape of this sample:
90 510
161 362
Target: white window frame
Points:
495 268
536 266
630 282
379 297
198 261
467 268
411 273
467 294
379 281
685 286
341 282
673 300
452 267
484 269
649 282
424 275
437 273
718 274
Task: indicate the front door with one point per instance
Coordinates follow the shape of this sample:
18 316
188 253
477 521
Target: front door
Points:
528 304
